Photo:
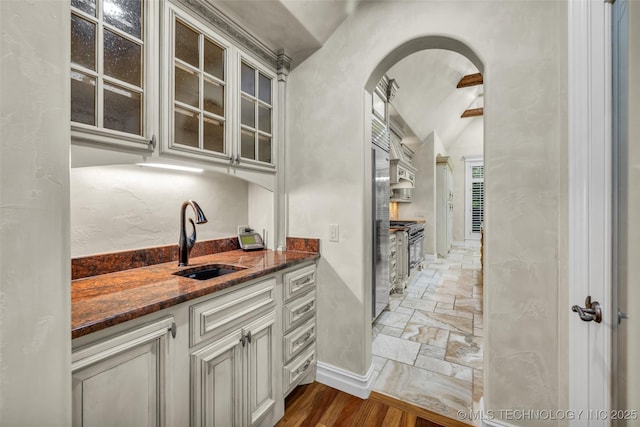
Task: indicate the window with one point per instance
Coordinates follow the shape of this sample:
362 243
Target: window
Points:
255 114
108 67
474 198
199 90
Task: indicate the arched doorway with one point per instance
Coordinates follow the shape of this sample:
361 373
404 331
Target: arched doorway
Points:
427 348
523 50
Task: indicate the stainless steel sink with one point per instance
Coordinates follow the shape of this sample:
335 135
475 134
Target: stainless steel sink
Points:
205 272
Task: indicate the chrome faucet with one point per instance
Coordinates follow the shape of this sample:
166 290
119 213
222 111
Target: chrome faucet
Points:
185 245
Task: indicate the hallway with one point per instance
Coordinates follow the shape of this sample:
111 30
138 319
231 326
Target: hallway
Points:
428 348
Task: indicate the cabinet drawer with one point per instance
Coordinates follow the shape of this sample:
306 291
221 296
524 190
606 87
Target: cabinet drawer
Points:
217 315
299 367
298 310
298 282
299 338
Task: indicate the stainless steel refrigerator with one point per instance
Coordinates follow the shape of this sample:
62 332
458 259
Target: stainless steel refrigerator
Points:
380 222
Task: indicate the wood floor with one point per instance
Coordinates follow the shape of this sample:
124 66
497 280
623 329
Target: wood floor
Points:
318 405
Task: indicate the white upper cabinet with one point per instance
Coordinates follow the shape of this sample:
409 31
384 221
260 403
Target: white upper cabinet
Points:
218 102
163 81
196 96
112 72
256 114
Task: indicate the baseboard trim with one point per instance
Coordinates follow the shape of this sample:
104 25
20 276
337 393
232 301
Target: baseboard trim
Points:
346 381
487 422
430 257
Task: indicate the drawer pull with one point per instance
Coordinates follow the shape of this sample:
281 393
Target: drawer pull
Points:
303 339
303 367
304 309
308 281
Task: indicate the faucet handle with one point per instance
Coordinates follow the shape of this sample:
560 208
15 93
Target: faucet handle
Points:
191 241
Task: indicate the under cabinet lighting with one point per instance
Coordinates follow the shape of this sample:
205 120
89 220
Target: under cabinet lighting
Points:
171 167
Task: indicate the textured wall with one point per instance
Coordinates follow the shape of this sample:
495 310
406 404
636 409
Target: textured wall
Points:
35 343
468 143
115 208
423 204
523 46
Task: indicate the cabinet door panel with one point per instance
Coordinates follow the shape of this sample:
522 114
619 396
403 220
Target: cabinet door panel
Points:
217 383
120 391
121 381
261 364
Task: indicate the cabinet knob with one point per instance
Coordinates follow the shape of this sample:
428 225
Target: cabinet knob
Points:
245 338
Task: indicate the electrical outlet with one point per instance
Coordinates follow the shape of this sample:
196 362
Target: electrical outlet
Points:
334 233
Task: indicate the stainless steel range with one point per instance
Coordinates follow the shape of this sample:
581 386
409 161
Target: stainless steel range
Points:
415 230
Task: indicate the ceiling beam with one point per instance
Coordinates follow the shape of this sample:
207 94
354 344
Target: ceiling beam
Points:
470 80
472 112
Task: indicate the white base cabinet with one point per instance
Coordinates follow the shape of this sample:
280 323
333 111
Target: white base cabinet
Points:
232 377
122 381
299 323
236 355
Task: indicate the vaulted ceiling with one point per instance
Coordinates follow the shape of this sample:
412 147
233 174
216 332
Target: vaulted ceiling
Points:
427 99
299 26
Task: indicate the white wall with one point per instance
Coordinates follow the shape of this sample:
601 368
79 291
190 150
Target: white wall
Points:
468 143
35 272
260 213
423 204
523 46
115 208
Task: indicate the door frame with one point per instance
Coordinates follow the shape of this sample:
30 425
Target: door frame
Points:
468 162
590 206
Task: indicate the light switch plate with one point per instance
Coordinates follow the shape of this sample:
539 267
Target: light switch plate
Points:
334 233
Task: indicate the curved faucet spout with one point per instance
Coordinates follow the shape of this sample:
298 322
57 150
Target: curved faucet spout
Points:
185 245
192 238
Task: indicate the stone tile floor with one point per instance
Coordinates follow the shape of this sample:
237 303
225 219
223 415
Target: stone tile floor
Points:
427 348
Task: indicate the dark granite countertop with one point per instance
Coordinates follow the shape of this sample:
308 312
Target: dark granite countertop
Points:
98 302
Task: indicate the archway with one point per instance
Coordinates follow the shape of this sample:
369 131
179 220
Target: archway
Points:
393 329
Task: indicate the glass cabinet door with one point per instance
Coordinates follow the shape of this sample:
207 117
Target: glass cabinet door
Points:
256 114
107 65
199 90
